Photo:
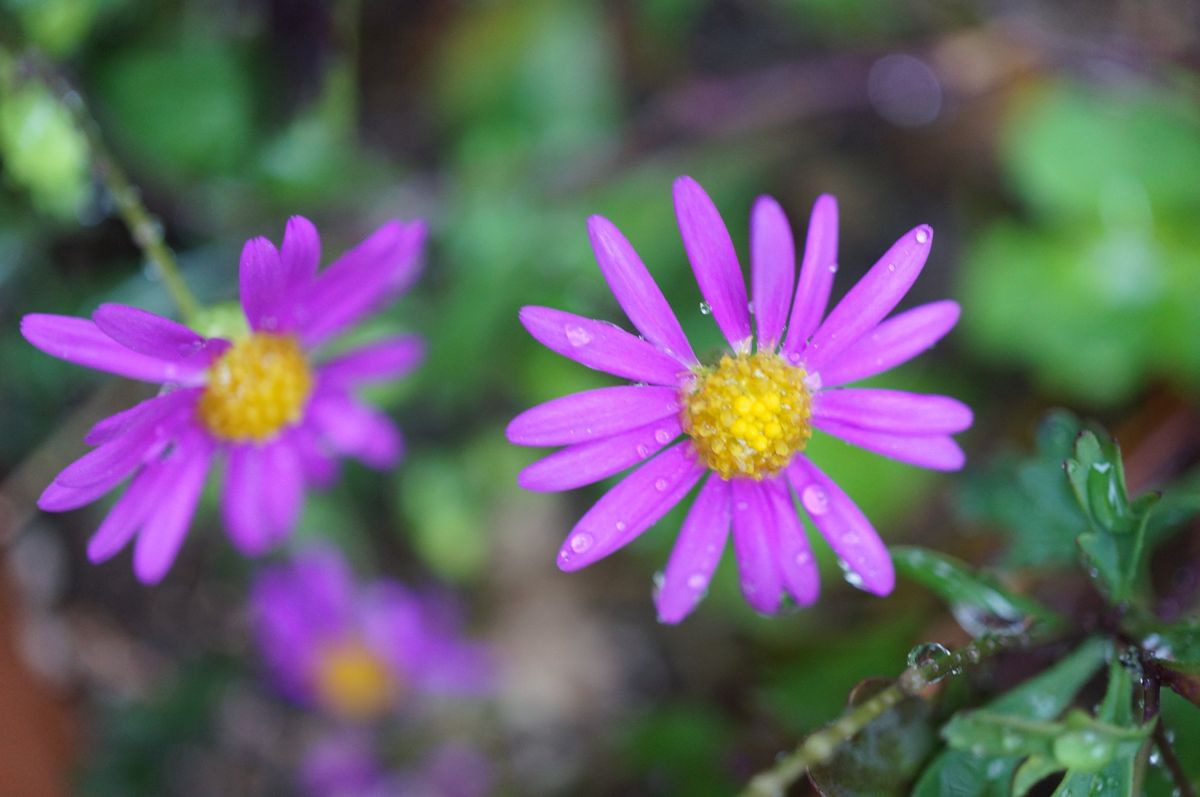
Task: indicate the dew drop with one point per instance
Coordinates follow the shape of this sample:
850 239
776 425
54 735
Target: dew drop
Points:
661 485
851 576
891 266
620 525
833 267
642 451
577 336
663 436
922 237
705 308
742 506
803 558
581 542
697 582
815 499
928 653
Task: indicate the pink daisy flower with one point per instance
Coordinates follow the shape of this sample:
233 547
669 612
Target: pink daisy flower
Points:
268 403
743 421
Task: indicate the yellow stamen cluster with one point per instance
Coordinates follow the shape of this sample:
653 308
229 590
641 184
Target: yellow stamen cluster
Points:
748 415
256 388
353 682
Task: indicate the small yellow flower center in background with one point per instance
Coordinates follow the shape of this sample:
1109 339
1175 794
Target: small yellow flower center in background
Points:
748 415
353 682
256 388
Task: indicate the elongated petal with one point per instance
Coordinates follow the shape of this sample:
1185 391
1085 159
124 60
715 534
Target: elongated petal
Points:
843 526
242 501
359 281
756 543
111 427
147 333
592 414
389 358
182 480
319 467
600 345
713 259
356 430
300 254
284 497
895 341
697 552
80 341
127 514
938 452
801 577
636 292
875 295
590 462
631 507
773 269
263 286
816 275
893 411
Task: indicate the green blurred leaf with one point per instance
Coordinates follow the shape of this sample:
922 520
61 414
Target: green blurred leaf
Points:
1101 757
980 604
41 150
885 755
1181 676
1034 770
683 748
1041 698
1097 475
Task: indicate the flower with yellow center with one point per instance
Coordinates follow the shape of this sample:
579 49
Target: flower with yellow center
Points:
256 388
353 682
749 415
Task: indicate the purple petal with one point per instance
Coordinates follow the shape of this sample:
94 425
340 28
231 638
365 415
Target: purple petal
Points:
892 411
263 288
801 576
843 526
284 496
102 469
319 468
592 414
713 259
359 281
80 341
893 342
697 552
631 507
875 295
300 254
355 430
242 501
773 269
183 480
816 274
636 292
389 358
756 543
148 333
127 514
590 462
938 452
600 345
111 427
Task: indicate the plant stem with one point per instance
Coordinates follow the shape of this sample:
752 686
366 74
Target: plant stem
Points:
820 746
143 227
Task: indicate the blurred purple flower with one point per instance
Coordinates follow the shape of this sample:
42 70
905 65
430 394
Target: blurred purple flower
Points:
263 402
747 418
359 652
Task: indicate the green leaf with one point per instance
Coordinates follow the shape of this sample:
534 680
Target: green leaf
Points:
1033 771
1097 475
979 603
882 758
1183 677
1043 697
986 733
41 149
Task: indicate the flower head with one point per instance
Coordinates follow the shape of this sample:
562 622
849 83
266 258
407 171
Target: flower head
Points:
269 403
358 652
746 419
347 764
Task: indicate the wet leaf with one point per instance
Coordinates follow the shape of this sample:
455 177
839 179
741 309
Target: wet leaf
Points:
1097 475
885 755
1181 676
1033 771
980 603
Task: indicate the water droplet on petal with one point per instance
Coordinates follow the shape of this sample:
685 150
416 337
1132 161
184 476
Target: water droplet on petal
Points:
663 436
577 335
705 308
833 267
621 525
891 266
850 575
697 582
642 451
742 506
661 485
581 542
815 499
922 236
803 558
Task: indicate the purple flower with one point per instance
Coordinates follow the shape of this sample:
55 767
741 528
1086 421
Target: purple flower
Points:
268 403
346 764
746 419
358 652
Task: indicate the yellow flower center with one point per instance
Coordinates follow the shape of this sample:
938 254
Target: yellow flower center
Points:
256 388
748 415
353 682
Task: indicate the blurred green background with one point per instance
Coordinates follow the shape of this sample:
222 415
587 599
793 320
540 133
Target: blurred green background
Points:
1054 147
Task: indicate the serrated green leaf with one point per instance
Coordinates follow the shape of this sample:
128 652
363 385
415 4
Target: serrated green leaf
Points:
1042 697
1097 475
986 733
977 600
